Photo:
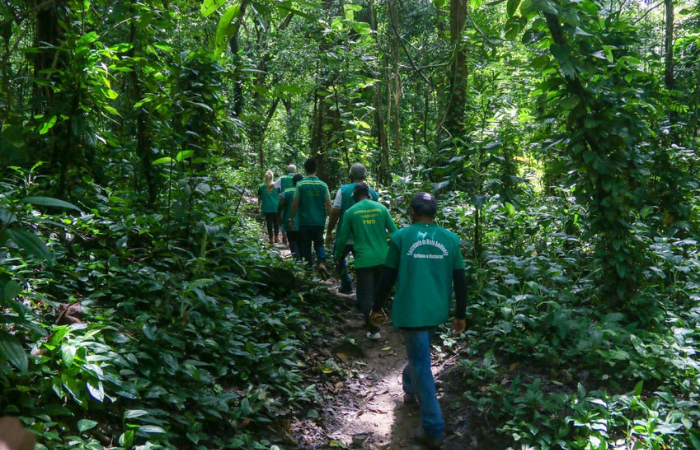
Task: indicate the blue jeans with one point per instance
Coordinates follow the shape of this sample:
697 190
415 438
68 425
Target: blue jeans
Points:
311 235
418 380
341 267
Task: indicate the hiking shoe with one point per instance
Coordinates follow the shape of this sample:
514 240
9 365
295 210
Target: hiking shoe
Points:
426 440
345 290
374 336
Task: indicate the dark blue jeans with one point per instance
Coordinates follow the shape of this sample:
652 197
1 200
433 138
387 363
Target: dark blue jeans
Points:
418 380
311 235
341 267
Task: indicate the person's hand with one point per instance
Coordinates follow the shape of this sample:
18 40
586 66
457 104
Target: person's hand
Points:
458 326
329 240
13 436
377 318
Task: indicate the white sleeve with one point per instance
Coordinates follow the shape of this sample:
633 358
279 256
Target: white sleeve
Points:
278 183
338 202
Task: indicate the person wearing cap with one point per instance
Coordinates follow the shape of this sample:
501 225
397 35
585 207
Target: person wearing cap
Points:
313 202
342 202
286 200
424 261
283 183
368 221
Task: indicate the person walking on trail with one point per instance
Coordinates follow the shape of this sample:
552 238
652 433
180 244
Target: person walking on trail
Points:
424 261
286 200
342 202
313 202
368 221
268 202
283 183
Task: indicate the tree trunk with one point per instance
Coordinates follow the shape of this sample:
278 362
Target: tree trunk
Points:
457 100
668 69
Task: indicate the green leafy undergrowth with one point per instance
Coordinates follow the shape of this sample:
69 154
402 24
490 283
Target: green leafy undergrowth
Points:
550 364
180 344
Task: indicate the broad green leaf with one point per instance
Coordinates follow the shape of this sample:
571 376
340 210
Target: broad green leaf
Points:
362 28
638 388
181 156
225 28
31 243
476 4
86 424
570 102
546 6
134 413
512 7
12 290
210 6
46 126
68 354
11 348
87 39
49 201
164 160
151 429
96 390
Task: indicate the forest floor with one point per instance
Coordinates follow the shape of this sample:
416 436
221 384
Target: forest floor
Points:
361 388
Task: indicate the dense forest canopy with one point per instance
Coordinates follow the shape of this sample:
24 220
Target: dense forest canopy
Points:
559 137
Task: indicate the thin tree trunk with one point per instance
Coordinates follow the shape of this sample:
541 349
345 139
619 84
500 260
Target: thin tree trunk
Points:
668 69
457 100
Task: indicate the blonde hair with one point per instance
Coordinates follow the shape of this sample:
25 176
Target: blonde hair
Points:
268 178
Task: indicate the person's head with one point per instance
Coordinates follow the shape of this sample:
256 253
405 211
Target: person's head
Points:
423 207
358 172
269 176
291 168
297 178
310 166
361 192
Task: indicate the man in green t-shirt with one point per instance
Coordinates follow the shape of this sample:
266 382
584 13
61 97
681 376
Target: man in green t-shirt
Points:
368 222
343 201
313 202
286 200
424 261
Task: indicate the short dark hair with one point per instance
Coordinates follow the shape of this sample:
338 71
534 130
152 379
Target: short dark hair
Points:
310 166
297 178
361 190
424 204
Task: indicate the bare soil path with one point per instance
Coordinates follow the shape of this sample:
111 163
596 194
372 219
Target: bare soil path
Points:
361 386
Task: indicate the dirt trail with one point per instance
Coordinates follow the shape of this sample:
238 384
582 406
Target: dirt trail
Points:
362 392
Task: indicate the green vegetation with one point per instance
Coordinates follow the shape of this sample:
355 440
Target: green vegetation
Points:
559 137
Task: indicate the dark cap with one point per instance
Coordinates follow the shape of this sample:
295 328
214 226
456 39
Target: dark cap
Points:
361 190
424 204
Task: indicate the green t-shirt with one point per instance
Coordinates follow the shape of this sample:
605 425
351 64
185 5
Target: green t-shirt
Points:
287 182
368 221
312 195
347 201
288 195
270 199
425 256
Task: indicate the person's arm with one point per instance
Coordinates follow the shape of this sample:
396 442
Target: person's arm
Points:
334 216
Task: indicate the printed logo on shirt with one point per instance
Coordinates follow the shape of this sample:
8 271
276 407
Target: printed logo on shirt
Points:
432 243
